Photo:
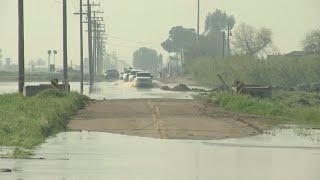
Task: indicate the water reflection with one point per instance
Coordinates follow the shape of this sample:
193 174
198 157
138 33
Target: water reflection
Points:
94 89
109 90
109 156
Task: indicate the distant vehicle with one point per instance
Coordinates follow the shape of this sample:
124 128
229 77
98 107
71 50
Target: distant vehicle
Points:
111 74
125 75
133 74
143 79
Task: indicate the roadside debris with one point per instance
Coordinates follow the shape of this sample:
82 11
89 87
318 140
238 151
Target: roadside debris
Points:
225 86
241 88
165 88
182 88
5 170
253 90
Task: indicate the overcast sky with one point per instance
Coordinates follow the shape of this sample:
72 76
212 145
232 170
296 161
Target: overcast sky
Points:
135 23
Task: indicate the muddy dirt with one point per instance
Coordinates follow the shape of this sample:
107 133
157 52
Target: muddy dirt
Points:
166 119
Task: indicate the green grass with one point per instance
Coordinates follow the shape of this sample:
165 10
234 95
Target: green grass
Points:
286 107
281 71
26 122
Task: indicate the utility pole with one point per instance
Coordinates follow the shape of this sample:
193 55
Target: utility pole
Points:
161 67
91 65
81 49
99 50
54 58
81 13
21 45
49 55
223 42
95 42
65 47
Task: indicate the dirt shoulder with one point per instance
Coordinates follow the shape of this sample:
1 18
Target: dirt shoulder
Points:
166 119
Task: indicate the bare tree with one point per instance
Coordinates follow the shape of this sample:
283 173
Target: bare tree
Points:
250 40
312 41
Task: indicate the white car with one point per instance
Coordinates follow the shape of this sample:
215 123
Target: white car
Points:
143 79
133 74
125 75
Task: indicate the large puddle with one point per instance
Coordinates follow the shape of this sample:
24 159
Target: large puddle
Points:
109 90
91 155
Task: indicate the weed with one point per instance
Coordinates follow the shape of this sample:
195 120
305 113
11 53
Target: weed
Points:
281 72
286 110
26 122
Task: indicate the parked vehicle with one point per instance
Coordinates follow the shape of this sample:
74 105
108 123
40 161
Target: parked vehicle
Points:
111 74
143 79
125 75
133 74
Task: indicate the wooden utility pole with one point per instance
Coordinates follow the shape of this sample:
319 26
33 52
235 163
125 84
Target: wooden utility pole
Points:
81 47
49 56
65 47
95 42
91 64
21 45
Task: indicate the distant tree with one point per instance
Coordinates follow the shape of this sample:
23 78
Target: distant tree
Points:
252 41
180 41
180 38
218 21
41 62
146 59
312 41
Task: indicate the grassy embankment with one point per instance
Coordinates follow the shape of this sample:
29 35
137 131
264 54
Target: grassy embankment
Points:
299 108
26 122
283 72
295 108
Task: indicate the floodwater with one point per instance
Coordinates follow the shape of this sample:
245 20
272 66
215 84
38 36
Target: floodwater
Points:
109 90
93 155
279 155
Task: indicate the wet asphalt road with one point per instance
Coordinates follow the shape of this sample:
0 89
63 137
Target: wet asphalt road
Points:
109 90
92 155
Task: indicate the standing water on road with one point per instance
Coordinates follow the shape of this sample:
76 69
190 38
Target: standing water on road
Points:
92 155
108 90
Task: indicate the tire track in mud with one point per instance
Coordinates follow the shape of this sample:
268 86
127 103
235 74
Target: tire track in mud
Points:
156 118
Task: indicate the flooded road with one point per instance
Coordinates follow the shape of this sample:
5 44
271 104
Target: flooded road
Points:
109 90
92 155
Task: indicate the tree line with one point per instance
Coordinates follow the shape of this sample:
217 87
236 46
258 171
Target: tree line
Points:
185 45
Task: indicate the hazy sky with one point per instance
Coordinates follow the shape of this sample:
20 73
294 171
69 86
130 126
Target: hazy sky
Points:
135 23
